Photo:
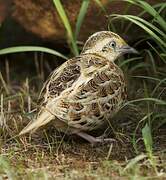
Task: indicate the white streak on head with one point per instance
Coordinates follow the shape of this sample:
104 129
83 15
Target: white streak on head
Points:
98 46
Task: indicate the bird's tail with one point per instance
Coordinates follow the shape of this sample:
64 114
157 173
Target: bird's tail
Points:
44 118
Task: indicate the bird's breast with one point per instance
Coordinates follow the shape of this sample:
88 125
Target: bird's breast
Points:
92 98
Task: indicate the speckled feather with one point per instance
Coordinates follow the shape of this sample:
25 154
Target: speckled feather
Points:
85 91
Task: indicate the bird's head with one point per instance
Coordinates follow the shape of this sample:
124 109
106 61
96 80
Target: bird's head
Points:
108 45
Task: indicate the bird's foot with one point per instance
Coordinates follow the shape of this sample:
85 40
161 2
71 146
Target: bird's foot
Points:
95 140
103 139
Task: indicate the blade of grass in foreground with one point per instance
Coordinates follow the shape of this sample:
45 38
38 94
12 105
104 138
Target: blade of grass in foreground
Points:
135 20
148 78
99 3
154 13
159 5
148 142
6 168
134 141
150 9
129 60
134 161
67 25
80 18
148 24
19 49
157 101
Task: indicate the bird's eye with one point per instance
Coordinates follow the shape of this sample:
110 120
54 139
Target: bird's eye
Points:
112 44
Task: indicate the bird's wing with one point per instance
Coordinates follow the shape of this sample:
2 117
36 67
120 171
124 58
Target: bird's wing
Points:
61 79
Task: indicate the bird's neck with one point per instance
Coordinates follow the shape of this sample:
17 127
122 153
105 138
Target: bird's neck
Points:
105 57
92 62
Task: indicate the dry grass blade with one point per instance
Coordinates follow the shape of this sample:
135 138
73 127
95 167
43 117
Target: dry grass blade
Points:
4 84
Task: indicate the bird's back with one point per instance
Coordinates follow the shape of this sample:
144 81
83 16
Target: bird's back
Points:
95 94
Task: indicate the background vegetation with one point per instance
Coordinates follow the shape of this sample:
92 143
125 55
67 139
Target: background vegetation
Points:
139 129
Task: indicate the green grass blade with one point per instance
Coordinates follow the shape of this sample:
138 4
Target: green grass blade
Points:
154 13
151 58
135 21
19 49
161 5
148 24
161 55
6 168
134 141
157 101
149 9
67 25
147 137
148 78
139 66
80 18
134 161
160 119
129 60
98 2
158 85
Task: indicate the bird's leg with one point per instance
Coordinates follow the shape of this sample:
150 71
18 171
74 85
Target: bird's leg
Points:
94 140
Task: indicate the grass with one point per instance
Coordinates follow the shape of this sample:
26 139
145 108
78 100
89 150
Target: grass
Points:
81 16
19 49
139 129
66 23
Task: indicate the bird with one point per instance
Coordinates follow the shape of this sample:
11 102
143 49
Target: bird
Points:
86 91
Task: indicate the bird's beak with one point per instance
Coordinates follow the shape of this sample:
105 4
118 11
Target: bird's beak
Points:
127 49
